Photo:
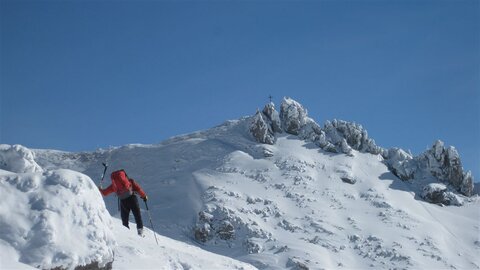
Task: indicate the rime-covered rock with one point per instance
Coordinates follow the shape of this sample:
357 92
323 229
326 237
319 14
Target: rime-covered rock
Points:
440 162
226 231
203 230
437 193
18 159
273 117
444 164
467 186
292 115
354 134
261 130
340 136
400 163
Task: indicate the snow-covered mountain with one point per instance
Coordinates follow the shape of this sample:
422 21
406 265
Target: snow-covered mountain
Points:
56 219
274 190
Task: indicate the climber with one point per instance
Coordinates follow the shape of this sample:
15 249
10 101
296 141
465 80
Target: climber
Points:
126 188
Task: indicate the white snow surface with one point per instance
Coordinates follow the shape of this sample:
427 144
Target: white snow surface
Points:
17 158
50 219
57 218
289 209
134 252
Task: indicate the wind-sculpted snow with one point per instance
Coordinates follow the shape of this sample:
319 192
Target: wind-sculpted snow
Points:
17 158
54 219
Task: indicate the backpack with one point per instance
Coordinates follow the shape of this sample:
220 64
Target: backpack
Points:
122 184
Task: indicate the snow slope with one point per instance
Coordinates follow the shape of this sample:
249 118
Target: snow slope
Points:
285 205
309 200
56 219
134 252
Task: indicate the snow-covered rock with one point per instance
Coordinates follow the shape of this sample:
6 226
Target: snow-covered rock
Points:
273 117
442 163
261 129
287 208
17 158
437 193
292 115
400 163
355 136
55 219
344 137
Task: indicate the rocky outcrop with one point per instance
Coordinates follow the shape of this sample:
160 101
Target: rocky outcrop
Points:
293 116
273 117
203 229
437 193
444 163
441 162
208 227
337 136
261 129
340 136
355 137
400 163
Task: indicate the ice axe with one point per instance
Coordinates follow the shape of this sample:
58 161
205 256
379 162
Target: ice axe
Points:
103 174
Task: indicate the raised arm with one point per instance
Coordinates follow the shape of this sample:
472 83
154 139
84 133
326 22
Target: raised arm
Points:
108 190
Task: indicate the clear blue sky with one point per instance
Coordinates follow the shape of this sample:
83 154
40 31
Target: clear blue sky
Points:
82 75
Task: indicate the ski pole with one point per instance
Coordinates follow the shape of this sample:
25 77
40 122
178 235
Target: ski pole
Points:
103 174
151 223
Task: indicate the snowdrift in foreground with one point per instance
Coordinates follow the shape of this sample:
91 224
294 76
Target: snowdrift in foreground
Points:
53 219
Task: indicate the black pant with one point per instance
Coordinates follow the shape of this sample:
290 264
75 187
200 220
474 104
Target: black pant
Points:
127 204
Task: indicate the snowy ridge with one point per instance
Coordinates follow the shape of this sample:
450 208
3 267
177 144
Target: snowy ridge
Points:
323 198
440 162
56 219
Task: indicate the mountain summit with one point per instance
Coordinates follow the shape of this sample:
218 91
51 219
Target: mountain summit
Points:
278 191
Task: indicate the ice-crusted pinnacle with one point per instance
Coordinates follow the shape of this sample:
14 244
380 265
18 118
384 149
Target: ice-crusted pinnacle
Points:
354 134
292 115
400 163
56 220
261 130
438 148
273 117
467 186
337 136
442 163
310 131
346 149
17 158
445 165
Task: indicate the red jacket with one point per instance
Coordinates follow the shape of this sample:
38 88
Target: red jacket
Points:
113 188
